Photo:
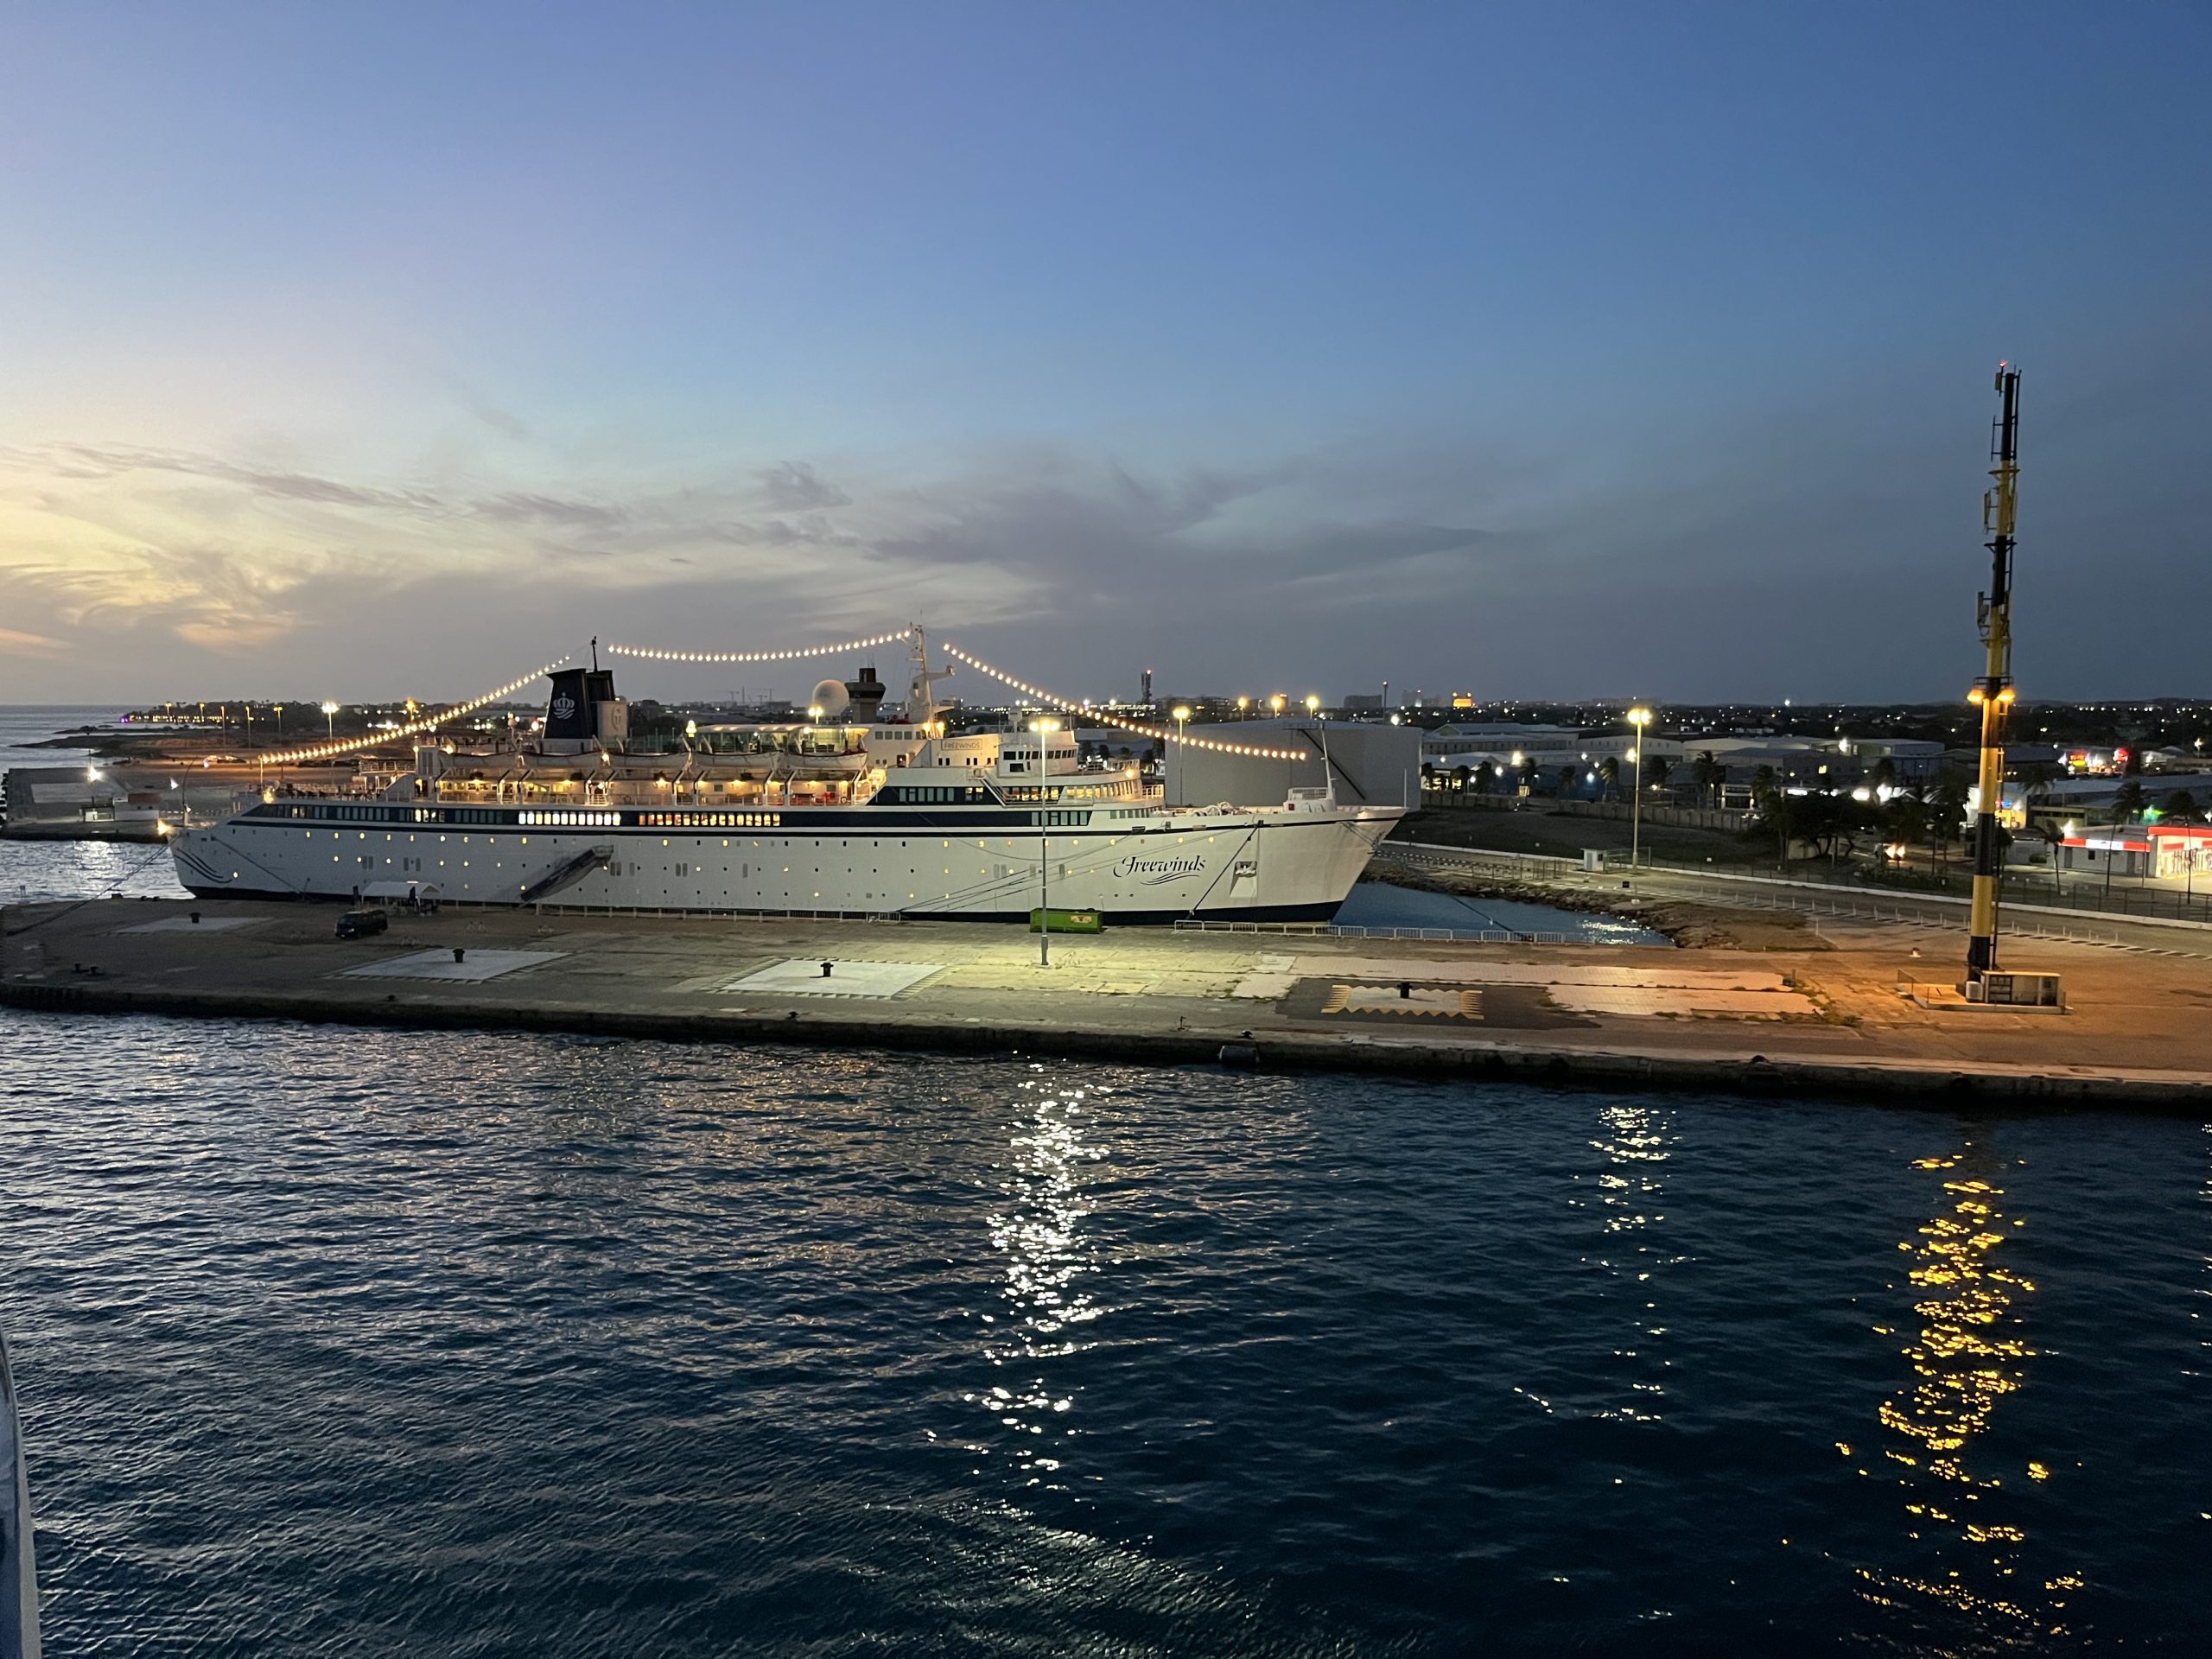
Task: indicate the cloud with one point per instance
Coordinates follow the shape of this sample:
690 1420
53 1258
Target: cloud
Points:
258 555
17 640
501 420
524 507
86 461
1714 557
795 487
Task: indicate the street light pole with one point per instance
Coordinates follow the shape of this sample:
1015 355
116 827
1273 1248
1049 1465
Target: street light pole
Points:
1182 727
329 720
1045 729
1639 719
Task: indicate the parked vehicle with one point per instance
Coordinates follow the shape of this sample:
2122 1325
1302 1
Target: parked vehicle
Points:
360 924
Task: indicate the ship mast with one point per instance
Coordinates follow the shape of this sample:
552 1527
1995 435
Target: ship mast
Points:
1993 692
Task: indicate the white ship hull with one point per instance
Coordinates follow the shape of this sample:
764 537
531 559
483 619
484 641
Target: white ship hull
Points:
1132 865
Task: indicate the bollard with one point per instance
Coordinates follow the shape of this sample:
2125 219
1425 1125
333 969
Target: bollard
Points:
825 969
196 917
1405 990
458 952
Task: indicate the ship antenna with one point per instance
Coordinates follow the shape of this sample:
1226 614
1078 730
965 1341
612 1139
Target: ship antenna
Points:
594 653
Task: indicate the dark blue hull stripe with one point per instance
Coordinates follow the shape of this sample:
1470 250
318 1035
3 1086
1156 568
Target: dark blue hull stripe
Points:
1313 912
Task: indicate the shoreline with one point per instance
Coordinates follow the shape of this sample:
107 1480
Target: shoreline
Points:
1689 925
1754 1075
1136 996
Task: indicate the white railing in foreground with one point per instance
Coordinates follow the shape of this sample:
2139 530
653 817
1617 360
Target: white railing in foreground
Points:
1450 935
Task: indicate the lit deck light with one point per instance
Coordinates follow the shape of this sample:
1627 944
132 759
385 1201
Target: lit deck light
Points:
1069 705
413 727
653 654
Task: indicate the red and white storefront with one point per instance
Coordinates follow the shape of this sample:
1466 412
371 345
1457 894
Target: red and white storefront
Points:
2156 849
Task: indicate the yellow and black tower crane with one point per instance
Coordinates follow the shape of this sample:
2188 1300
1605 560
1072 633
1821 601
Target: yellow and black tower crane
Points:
1993 692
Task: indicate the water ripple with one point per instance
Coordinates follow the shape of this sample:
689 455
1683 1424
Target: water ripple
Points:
346 1343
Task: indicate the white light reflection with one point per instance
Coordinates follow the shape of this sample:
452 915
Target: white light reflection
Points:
1039 1231
1629 1190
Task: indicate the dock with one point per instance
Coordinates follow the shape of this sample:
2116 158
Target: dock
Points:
1853 1014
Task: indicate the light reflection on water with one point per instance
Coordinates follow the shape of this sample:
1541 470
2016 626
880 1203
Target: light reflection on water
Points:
451 1343
1631 1187
34 872
1966 1546
1046 1299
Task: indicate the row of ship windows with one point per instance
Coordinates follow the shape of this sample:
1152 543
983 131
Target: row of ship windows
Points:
710 820
561 820
551 818
982 844
431 815
1019 794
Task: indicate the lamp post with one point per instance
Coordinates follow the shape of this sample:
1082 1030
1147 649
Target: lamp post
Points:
329 720
1045 729
1275 703
1243 708
1639 719
1182 714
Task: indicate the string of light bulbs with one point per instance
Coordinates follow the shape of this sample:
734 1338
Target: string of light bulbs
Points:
652 655
1068 705
412 728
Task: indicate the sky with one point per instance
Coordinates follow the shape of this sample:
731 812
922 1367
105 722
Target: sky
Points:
1545 351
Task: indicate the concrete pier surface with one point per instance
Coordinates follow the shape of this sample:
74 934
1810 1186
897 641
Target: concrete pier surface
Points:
1854 1013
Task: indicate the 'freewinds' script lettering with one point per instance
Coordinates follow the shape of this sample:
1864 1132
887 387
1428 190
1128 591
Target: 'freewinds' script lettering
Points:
1154 871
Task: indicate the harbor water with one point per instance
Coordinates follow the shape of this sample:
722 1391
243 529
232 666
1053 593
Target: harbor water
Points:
339 1342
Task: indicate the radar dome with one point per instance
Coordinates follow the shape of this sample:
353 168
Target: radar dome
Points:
830 697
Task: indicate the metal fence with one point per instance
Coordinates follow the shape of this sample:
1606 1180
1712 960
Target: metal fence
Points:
1336 930
2019 885
1755 893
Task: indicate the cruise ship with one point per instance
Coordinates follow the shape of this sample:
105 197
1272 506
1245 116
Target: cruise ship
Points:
855 811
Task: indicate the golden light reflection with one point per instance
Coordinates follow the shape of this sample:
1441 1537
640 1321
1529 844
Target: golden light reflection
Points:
1039 1231
1969 1353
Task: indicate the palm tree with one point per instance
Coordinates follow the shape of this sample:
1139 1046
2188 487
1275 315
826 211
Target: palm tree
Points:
2130 801
1608 772
1947 807
1486 778
2182 808
1774 812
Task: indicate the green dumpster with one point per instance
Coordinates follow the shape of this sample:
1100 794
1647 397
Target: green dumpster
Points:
1066 921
